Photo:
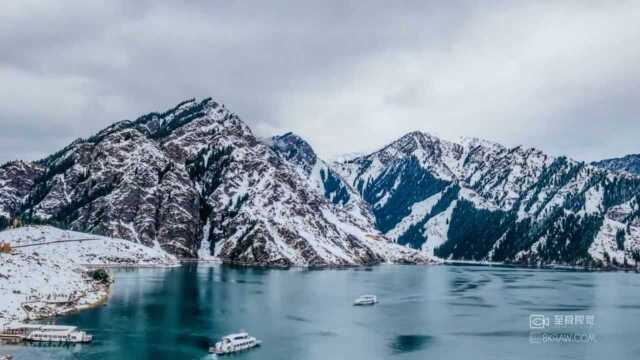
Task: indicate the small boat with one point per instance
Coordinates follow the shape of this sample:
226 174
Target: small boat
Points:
366 300
235 343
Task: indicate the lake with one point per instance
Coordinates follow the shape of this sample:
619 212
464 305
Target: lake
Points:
425 312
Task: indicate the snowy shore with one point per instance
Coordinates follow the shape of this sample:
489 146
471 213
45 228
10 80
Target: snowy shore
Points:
46 272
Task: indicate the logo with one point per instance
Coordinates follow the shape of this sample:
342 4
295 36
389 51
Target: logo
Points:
538 322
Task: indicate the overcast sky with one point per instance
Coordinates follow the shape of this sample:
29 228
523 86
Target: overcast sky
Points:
347 75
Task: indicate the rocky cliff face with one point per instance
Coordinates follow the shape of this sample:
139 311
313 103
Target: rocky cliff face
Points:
194 181
478 200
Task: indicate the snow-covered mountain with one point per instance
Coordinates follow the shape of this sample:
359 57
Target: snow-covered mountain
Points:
478 200
195 181
321 177
629 163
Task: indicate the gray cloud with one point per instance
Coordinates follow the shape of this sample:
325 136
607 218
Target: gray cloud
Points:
348 76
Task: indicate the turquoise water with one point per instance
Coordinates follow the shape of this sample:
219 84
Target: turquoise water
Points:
425 312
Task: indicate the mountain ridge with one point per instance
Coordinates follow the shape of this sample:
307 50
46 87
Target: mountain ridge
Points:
482 201
628 163
195 181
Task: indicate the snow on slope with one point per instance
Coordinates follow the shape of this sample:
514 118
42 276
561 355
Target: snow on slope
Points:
553 199
617 226
418 211
96 250
435 230
16 180
49 271
32 279
605 242
320 176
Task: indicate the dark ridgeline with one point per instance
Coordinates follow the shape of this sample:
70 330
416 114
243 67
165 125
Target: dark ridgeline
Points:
629 163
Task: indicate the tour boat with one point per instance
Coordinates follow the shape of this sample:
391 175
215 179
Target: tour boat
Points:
366 300
46 333
235 343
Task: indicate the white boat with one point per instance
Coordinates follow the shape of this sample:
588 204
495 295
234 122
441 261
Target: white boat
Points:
366 300
46 333
235 343
60 336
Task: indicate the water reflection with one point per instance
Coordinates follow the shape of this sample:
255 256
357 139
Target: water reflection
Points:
409 343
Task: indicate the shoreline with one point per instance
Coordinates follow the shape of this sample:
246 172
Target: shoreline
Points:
304 267
131 266
40 280
102 293
104 297
578 268
438 261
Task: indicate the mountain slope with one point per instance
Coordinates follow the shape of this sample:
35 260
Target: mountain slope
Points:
320 176
51 267
85 249
629 163
194 181
478 200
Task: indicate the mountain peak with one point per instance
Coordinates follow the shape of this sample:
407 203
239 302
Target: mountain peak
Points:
418 135
416 140
181 107
472 142
188 104
295 149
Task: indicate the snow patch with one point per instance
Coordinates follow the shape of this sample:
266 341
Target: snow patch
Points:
418 211
605 242
437 228
593 199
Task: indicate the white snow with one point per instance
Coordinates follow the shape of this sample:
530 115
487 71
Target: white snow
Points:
418 211
340 158
52 267
94 250
34 278
437 228
534 249
478 201
593 199
204 253
605 241
495 246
